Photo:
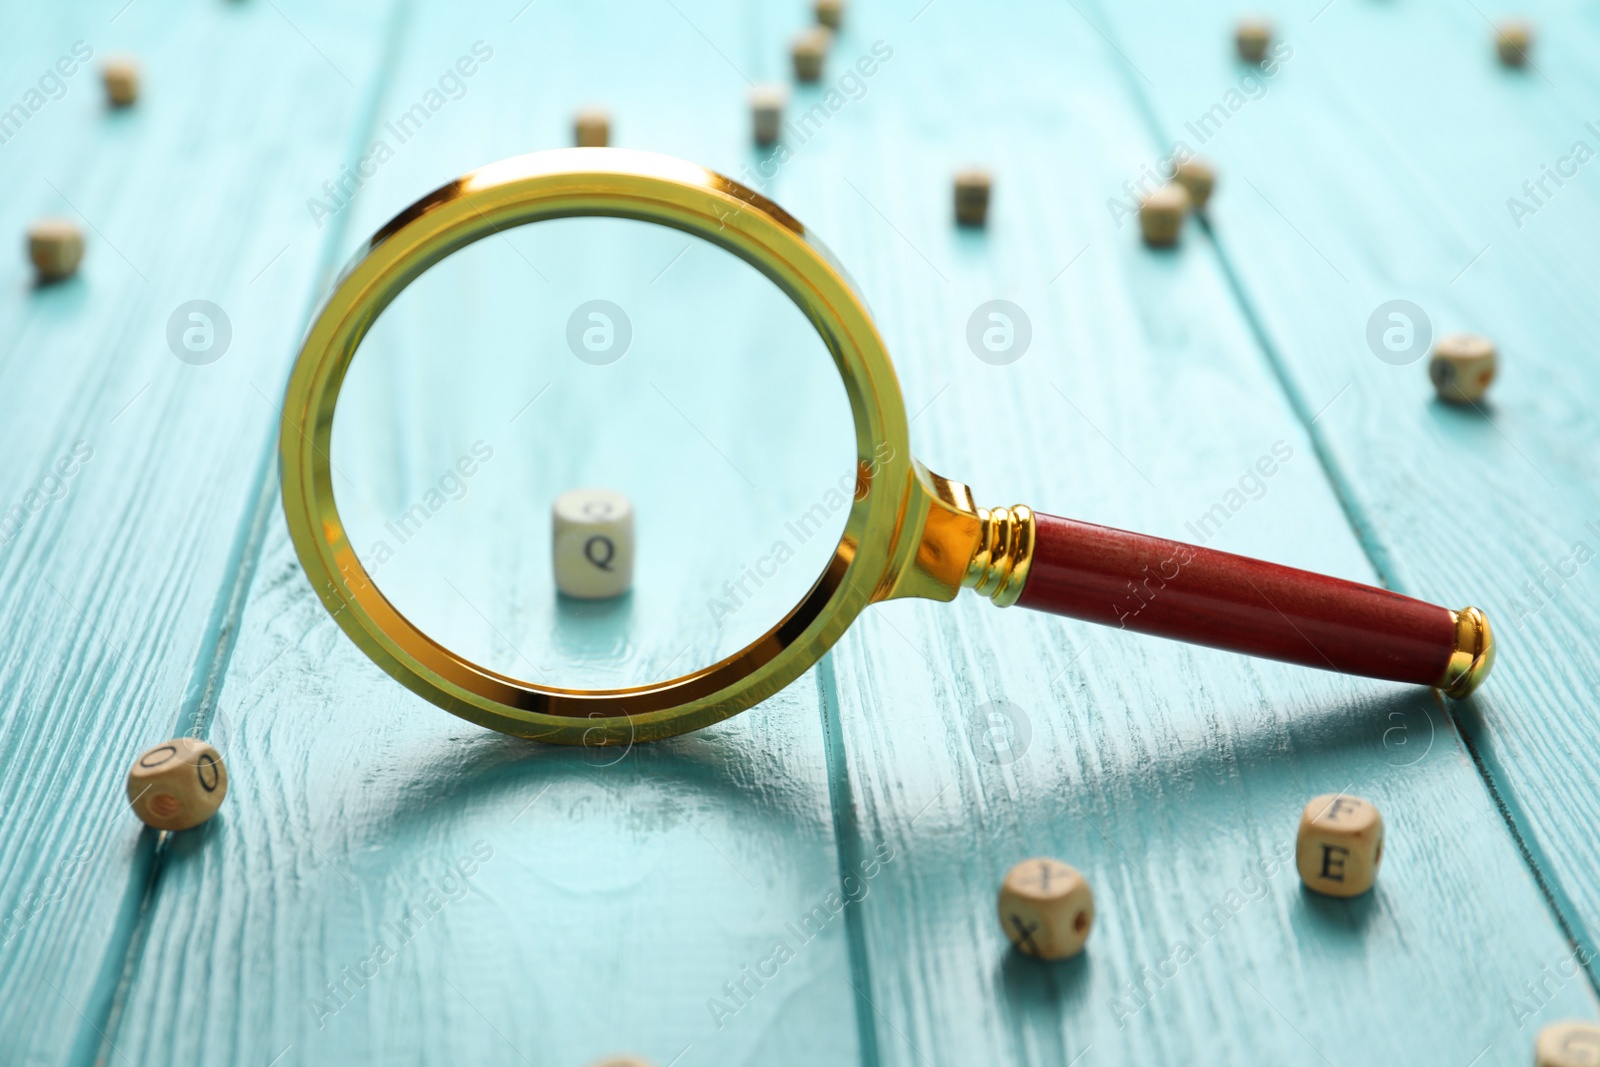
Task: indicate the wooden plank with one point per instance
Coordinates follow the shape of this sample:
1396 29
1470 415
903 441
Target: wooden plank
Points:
1167 774
111 584
1257 738
1335 201
613 896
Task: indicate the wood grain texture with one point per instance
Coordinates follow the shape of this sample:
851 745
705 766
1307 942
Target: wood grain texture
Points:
387 884
114 591
1166 774
625 889
1387 160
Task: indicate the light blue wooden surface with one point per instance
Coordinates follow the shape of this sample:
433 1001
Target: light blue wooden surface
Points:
599 902
118 592
1431 149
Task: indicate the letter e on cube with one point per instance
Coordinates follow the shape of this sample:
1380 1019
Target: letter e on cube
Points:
1340 845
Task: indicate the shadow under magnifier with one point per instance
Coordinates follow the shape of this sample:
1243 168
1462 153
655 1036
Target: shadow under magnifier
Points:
445 776
593 633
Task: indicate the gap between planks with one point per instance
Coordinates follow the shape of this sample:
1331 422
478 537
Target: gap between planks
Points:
847 841
1366 536
96 1042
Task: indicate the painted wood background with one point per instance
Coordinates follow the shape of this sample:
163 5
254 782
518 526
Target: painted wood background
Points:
548 906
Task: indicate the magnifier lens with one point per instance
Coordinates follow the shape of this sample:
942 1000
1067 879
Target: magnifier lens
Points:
598 354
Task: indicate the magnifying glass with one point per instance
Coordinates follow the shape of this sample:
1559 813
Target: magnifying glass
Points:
616 322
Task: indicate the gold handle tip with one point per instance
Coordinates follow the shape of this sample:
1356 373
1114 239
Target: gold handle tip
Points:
1473 657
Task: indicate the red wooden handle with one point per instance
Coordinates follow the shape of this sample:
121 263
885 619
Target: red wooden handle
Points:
1206 597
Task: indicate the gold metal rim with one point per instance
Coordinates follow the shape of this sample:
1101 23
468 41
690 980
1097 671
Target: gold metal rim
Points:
881 535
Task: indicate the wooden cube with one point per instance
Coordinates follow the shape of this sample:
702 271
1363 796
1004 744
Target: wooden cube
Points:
592 543
178 784
1461 367
1046 908
766 112
1252 36
830 13
1512 40
592 128
1161 215
809 50
1569 1043
1340 845
973 185
121 76
56 248
1197 179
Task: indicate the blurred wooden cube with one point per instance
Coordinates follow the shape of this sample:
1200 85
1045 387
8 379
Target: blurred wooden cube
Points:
1198 179
1461 367
592 128
1161 215
972 188
809 50
56 247
121 77
1512 40
1252 37
766 112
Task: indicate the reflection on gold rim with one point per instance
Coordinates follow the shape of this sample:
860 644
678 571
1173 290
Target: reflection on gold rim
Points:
877 556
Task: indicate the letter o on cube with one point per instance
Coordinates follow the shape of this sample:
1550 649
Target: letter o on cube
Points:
177 784
592 543
1340 845
1569 1043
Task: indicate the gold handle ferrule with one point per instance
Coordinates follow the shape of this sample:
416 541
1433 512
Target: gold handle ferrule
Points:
999 566
950 544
